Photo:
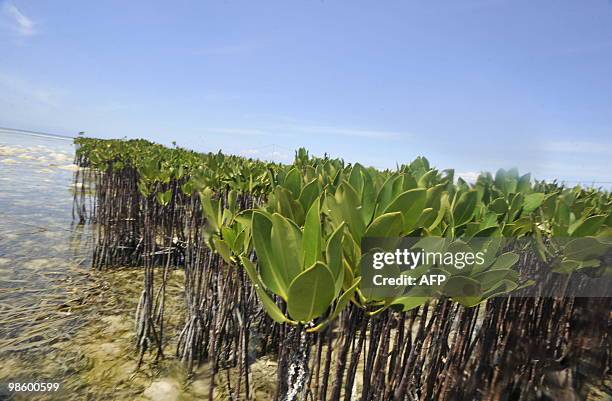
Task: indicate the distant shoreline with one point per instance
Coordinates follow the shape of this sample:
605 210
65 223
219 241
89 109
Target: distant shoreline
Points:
35 133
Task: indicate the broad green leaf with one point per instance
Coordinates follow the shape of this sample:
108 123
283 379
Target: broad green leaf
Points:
502 287
311 240
356 177
333 256
269 305
368 197
416 297
410 204
385 194
343 301
293 182
275 278
210 208
505 261
345 206
311 293
584 248
499 206
286 242
524 183
464 208
426 179
490 278
309 193
386 225
163 198
461 286
587 227
532 202
223 249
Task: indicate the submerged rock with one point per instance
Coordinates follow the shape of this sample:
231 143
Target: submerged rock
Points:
109 350
163 390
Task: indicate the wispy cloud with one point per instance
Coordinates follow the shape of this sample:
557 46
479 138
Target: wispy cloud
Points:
294 129
35 94
578 147
19 22
351 132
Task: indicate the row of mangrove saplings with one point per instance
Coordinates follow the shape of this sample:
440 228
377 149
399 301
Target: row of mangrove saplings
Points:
272 254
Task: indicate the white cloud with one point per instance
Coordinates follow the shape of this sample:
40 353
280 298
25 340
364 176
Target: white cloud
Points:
469 176
18 21
267 152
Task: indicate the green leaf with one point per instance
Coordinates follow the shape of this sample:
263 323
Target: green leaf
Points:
311 240
427 178
163 198
465 207
229 236
333 256
461 286
566 266
287 206
368 197
409 302
286 242
309 193
223 249
269 305
532 202
274 278
293 182
587 227
505 261
502 287
344 206
387 225
311 293
344 299
410 204
490 278
524 183
385 194
210 208
584 248
499 206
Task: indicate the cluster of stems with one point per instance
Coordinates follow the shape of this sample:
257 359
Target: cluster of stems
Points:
509 348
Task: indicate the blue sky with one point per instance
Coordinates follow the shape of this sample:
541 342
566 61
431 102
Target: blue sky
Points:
471 84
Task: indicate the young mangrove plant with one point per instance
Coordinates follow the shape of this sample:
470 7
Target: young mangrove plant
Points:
274 260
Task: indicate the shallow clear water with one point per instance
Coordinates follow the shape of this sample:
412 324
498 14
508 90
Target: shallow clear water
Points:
39 245
44 257
60 321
